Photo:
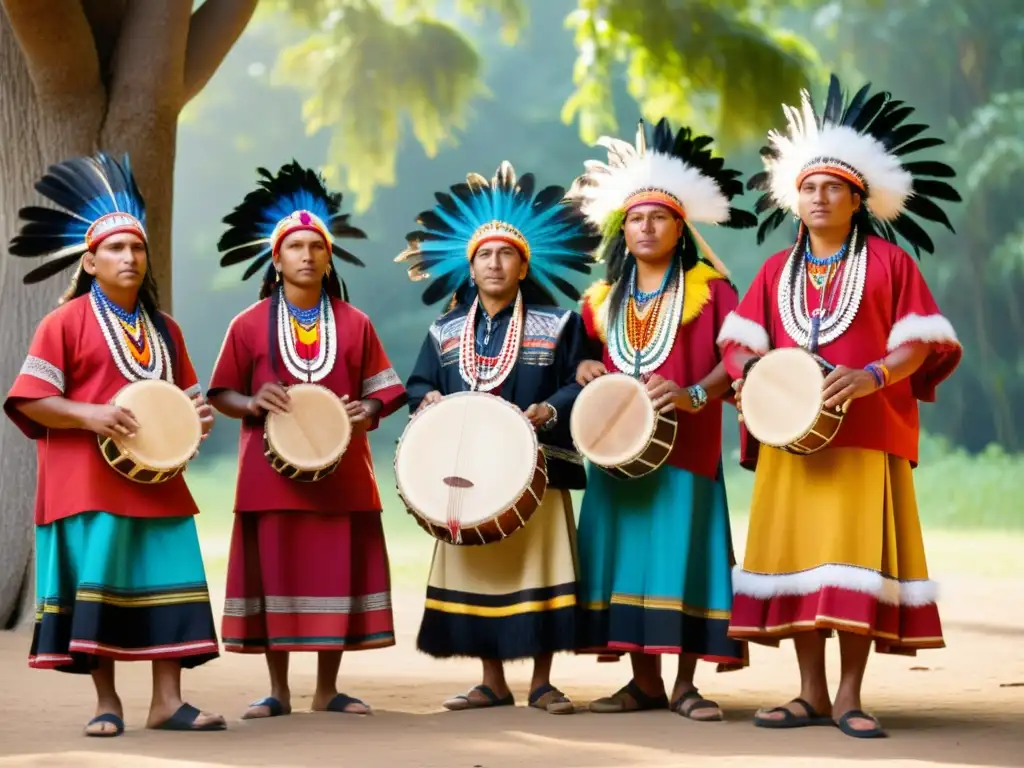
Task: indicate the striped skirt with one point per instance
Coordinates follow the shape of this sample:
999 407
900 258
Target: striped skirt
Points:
514 599
835 543
300 581
655 566
128 588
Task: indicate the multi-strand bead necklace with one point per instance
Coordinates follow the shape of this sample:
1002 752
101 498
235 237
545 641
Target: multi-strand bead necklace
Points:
645 331
307 327
138 350
483 373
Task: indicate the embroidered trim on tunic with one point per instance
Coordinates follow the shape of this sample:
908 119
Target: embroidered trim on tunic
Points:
44 371
194 391
383 380
253 606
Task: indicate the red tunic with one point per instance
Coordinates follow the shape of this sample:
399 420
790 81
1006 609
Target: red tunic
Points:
69 358
708 300
361 371
897 309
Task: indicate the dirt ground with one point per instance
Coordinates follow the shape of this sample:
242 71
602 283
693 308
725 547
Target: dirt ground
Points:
962 706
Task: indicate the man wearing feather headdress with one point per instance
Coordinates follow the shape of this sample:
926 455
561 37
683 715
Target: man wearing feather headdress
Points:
496 248
656 551
308 567
119 573
834 542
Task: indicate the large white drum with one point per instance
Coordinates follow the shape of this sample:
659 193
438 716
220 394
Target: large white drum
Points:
469 469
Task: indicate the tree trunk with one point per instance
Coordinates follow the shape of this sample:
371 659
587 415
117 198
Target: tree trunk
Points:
73 126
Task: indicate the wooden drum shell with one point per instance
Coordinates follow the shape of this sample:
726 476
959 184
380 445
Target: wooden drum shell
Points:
648 456
819 432
504 522
120 457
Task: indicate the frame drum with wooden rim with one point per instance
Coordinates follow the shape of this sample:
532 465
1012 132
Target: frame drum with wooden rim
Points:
469 469
615 426
783 405
168 436
307 443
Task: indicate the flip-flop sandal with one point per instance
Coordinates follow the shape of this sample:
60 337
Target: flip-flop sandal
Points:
185 720
106 717
617 702
855 714
465 702
557 702
275 707
343 700
699 703
790 719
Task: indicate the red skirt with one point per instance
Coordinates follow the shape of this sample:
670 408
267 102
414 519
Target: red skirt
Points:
299 581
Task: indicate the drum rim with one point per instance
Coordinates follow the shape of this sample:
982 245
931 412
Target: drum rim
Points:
269 418
647 443
400 486
821 403
124 450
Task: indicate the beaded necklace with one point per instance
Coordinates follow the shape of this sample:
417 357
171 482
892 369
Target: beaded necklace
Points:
138 350
820 270
307 327
823 325
643 337
483 373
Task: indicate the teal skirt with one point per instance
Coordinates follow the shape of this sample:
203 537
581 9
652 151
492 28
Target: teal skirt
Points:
656 566
128 588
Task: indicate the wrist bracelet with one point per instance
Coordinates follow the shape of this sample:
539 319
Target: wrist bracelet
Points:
879 373
554 417
698 396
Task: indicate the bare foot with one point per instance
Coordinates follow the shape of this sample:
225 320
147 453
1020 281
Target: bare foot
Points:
183 717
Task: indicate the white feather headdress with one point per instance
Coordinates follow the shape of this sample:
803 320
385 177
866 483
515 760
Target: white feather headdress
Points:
866 142
677 170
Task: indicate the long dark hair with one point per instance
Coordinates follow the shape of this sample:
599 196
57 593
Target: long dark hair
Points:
149 298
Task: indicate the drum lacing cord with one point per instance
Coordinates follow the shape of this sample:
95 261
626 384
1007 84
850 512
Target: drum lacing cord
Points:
456 497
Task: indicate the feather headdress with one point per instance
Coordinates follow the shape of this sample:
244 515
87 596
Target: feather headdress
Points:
676 170
99 198
866 142
552 236
294 199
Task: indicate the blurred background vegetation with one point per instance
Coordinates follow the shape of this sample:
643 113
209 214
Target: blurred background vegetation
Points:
394 99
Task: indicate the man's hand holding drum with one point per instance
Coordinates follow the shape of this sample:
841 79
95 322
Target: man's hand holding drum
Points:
361 412
270 398
429 399
110 421
539 414
669 396
589 370
205 411
845 384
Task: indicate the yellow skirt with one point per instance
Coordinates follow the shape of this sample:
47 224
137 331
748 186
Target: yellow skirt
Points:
516 598
834 543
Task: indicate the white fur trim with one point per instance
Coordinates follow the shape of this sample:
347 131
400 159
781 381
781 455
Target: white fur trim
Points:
740 330
923 328
886 590
889 183
628 172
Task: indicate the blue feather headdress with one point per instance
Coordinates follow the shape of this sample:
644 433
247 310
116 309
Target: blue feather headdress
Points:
295 199
99 198
553 237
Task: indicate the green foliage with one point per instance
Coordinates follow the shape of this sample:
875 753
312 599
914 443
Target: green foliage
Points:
716 66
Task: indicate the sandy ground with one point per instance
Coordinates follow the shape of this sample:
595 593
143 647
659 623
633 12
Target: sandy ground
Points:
956 707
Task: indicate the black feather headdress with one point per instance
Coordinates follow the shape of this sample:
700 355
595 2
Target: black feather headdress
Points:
99 198
295 199
552 236
867 142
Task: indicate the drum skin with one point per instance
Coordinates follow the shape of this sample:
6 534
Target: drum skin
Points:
474 455
308 443
168 437
614 425
782 403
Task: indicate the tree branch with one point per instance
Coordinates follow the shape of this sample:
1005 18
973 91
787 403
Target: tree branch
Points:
58 46
214 29
149 63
